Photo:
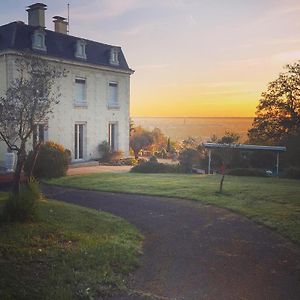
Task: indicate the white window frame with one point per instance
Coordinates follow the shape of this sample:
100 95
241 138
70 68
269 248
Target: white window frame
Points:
36 134
78 140
113 103
113 142
80 102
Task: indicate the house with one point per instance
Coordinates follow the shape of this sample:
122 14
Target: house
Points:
95 94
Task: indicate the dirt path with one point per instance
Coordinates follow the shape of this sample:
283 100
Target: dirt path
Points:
193 251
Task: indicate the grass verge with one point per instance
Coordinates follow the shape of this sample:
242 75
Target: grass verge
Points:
270 201
69 253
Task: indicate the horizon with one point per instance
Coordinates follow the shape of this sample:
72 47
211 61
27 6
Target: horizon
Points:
191 58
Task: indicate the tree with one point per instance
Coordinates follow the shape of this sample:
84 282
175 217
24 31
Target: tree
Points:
140 139
229 138
278 112
29 99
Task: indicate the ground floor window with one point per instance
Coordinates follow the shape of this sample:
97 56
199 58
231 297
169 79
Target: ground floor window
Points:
112 136
79 140
40 133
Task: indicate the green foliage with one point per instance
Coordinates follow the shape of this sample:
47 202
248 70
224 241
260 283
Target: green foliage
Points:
229 138
247 172
154 167
278 112
268 200
293 173
70 252
22 207
108 156
188 158
51 162
140 139
128 161
153 159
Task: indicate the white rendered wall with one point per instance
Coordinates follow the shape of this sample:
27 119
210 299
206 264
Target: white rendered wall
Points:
96 115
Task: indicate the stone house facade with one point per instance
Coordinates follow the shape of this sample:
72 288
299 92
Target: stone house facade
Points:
95 94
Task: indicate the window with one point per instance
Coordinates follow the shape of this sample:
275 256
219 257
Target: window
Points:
40 134
114 56
80 92
80 49
79 141
38 40
112 136
113 101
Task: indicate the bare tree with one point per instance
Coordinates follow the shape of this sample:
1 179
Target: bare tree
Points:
29 100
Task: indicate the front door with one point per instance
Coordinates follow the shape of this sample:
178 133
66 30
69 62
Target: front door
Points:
79 134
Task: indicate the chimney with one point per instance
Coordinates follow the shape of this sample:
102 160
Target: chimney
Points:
60 24
36 14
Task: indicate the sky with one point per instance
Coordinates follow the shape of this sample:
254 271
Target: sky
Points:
192 58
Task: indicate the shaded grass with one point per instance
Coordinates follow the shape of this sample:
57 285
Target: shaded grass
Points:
270 201
69 253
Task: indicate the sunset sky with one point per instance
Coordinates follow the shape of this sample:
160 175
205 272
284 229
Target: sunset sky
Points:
191 57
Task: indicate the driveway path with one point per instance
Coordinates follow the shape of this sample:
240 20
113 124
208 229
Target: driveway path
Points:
195 251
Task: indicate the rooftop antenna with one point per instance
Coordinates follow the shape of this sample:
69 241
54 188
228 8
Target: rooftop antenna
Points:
68 18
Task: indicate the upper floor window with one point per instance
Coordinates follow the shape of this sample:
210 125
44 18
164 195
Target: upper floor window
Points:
114 56
113 100
80 49
80 92
38 40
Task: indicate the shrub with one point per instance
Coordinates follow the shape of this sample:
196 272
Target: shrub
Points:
154 167
116 156
129 161
153 159
52 161
187 158
22 207
104 151
247 172
293 173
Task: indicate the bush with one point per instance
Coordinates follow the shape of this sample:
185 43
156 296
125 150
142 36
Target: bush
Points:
188 158
22 207
247 172
293 173
116 156
129 161
154 167
104 151
52 161
153 159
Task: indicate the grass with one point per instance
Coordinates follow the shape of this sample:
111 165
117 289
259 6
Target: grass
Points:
271 201
68 253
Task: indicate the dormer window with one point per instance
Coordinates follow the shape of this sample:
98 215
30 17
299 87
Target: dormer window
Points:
114 56
38 40
80 49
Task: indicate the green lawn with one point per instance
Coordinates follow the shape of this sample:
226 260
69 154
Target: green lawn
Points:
271 201
69 253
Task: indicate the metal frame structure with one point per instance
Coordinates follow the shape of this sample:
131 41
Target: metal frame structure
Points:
244 147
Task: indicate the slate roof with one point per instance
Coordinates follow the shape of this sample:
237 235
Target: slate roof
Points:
17 36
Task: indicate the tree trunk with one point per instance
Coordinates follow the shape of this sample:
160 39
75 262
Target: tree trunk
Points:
35 155
136 154
221 183
21 155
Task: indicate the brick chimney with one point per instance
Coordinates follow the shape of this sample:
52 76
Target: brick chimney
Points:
36 14
60 24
